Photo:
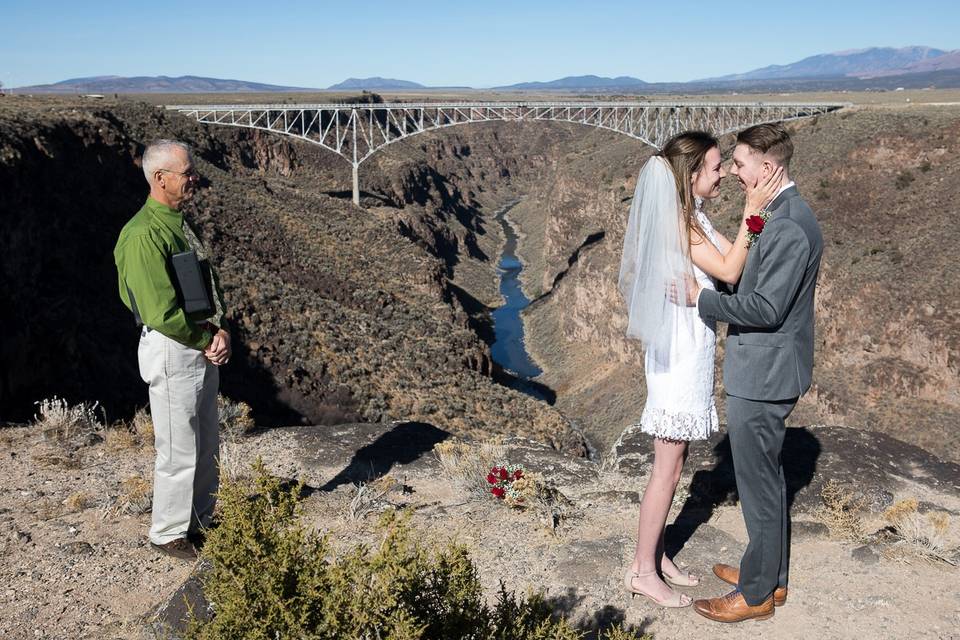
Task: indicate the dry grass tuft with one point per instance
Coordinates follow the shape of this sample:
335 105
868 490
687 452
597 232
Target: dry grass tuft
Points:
841 512
142 425
467 464
77 502
64 423
50 457
534 492
371 497
120 437
922 535
235 422
136 497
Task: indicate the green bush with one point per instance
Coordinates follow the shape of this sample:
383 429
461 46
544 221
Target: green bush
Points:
271 577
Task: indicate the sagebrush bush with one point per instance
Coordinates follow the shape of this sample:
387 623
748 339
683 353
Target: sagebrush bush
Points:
841 511
272 577
63 422
235 418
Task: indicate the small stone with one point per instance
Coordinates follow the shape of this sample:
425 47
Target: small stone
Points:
866 555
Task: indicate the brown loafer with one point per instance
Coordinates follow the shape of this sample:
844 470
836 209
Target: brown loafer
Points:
731 575
181 548
734 608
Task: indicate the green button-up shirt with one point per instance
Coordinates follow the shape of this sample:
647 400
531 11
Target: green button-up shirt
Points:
142 256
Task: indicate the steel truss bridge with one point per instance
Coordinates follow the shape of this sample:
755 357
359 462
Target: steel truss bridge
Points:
356 131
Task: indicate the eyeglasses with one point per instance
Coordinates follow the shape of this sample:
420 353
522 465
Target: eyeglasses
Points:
189 173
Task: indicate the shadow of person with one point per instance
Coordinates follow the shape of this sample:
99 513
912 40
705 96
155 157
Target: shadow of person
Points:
595 625
710 488
403 444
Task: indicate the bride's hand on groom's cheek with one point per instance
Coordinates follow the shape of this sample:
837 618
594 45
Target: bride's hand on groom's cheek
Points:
762 193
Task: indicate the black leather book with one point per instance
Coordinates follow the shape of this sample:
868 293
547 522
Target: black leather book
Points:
192 286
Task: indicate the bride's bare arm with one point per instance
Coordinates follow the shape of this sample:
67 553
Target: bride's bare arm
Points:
728 266
725 245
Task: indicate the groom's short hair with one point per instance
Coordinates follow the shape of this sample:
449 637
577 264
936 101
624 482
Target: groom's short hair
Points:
771 139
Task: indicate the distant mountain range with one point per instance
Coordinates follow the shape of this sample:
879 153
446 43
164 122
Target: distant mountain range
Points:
858 63
155 84
861 69
358 84
581 83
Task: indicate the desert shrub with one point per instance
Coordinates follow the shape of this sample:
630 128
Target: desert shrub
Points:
920 534
235 422
135 497
142 425
61 422
272 577
234 416
841 511
467 464
903 180
371 496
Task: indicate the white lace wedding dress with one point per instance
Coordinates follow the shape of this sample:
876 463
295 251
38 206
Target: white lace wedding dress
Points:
680 403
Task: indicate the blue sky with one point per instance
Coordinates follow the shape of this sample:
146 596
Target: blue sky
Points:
480 44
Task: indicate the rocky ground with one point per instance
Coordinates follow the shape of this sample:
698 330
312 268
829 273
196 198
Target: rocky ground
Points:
76 564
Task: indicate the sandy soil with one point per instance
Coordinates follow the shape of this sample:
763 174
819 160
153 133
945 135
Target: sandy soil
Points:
79 570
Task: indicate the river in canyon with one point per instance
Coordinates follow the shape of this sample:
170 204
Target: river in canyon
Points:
508 349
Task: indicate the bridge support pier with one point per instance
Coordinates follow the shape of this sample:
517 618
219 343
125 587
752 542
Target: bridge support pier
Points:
356 185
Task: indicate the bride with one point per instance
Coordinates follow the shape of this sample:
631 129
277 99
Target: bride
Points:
669 241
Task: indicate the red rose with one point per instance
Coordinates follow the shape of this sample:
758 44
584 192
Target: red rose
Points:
755 224
491 479
504 474
497 491
517 474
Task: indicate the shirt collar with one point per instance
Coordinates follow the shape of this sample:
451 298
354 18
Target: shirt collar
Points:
784 188
769 205
165 213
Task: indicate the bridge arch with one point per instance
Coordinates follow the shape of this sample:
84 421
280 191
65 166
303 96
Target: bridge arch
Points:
357 131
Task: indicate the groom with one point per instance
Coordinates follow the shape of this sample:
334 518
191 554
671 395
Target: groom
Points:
768 365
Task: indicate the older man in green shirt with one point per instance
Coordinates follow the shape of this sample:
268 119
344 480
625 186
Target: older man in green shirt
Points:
179 352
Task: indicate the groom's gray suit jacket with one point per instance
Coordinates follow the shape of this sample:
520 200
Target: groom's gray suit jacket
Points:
769 348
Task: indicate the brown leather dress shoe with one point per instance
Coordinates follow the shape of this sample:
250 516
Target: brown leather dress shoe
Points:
180 548
733 608
731 575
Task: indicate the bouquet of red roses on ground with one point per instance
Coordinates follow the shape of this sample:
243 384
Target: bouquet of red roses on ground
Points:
501 479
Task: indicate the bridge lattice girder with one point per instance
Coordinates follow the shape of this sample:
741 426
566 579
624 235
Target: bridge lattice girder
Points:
357 131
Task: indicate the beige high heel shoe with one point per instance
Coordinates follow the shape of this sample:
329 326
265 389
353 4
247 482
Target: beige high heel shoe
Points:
683 579
676 601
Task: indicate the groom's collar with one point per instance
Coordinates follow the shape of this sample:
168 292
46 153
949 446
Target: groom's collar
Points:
786 191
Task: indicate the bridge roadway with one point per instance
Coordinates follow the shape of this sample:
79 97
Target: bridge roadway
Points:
355 131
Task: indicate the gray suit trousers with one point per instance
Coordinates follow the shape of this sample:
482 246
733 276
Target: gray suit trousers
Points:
757 431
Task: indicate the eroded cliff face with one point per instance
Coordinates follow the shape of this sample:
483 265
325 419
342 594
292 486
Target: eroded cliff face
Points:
380 313
338 313
883 184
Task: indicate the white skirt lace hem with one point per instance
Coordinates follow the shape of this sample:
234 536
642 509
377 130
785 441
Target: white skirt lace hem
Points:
679 425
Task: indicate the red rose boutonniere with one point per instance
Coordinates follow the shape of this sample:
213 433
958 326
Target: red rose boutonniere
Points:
755 225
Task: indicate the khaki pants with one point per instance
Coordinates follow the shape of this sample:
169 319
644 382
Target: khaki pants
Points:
183 405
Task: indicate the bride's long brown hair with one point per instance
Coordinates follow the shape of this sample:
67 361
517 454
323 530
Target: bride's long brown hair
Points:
685 152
